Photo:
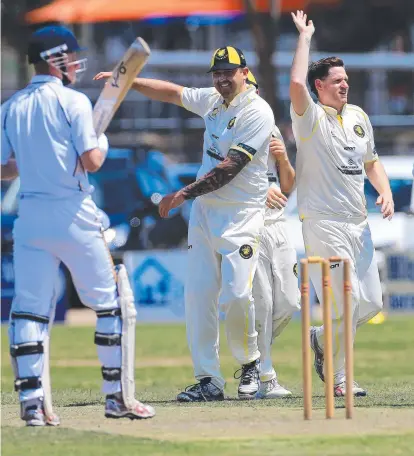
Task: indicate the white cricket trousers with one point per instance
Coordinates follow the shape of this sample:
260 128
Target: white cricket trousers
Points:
275 290
347 239
222 260
46 233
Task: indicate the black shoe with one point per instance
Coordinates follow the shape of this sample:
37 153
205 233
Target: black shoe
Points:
205 391
249 379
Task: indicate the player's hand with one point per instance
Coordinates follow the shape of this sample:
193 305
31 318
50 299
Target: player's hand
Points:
387 205
170 201
300 19
275 198
102 75
277 149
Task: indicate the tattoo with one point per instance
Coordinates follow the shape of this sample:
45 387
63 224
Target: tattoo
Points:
308 41
219 176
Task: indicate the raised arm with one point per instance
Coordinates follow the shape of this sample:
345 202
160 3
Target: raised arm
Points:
299 93
155 89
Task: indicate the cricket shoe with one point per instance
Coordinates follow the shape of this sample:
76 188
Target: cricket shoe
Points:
272 390
205 391
32 411
249 379
115 408
340 390
318 362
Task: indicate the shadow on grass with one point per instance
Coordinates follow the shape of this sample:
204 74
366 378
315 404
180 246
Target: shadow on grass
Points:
83 404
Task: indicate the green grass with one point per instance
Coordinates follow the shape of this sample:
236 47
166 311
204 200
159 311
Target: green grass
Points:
383 364
99 444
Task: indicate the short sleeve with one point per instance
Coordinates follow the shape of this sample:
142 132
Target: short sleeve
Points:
276 134
253 132
370 154
306 124
198 101
82 130
6 147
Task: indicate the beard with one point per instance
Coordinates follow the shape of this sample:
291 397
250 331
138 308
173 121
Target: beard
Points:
225 91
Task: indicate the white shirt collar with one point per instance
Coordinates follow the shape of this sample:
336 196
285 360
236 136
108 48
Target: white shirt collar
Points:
241 96
332 111
45 78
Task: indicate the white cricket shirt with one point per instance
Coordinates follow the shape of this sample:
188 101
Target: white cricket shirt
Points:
245 125
48 126
331 152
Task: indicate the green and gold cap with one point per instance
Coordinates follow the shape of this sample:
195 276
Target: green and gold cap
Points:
227 58
252 80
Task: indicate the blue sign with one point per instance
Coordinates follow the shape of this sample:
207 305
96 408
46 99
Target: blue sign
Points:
155 286
400 267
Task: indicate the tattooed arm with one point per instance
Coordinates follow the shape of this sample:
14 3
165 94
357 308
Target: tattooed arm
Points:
218 177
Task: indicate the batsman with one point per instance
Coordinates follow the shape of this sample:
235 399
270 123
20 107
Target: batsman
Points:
49 140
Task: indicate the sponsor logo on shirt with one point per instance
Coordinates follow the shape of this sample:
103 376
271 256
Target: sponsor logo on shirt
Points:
349 148
231 123
214 153
213 114
351 168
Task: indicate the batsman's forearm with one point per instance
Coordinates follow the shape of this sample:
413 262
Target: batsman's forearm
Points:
286 175
218 177
155 89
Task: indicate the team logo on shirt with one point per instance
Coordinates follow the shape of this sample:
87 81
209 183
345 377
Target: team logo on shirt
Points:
359 131
231 123
213 114
295 269
246 251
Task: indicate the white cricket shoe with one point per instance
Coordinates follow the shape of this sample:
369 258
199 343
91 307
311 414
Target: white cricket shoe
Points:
249 379
32 411
340 390
115 408
272 390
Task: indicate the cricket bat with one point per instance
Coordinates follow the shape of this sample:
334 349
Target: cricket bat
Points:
51 418
119 83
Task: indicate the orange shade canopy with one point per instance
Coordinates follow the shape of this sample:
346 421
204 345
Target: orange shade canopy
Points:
75 11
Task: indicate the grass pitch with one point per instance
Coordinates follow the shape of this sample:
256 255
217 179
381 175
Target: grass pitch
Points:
383 423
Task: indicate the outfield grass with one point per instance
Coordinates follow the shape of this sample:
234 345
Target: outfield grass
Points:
383 424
